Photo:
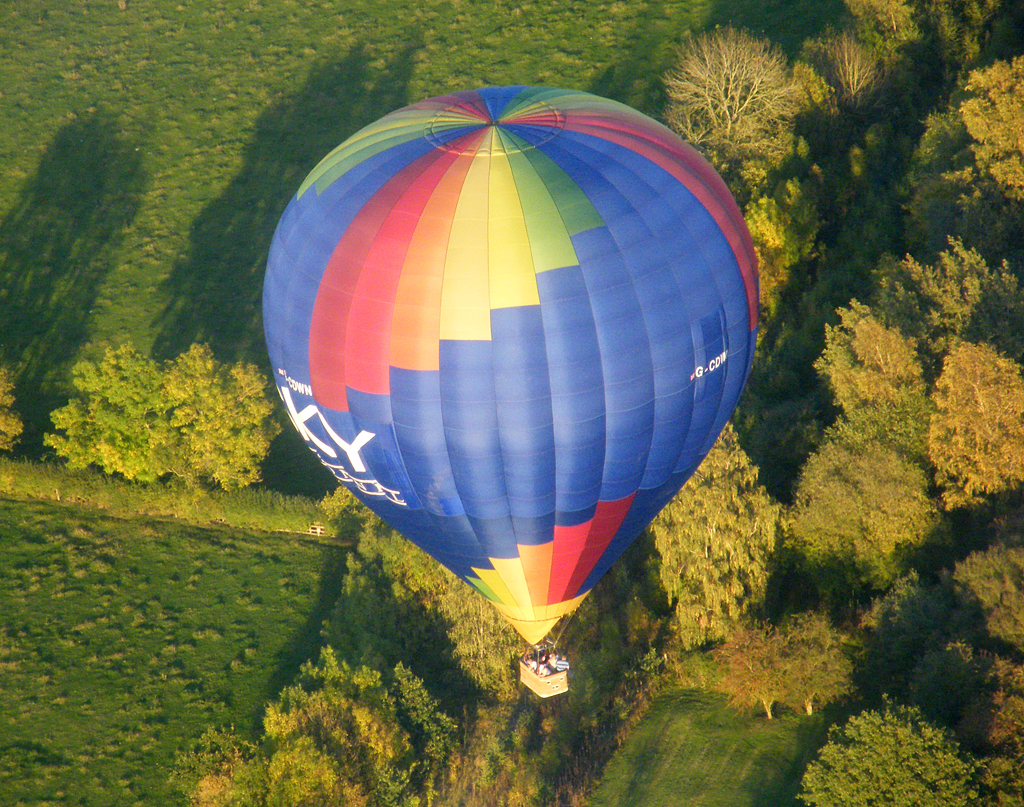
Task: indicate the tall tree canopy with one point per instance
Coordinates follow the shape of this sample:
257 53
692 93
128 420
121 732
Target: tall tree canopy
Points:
858 507
994 581
715 539
957 297
891 757
875 377
192 418
732 94
976 436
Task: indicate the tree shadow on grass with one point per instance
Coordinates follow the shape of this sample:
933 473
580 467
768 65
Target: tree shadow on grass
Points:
647 51
215 290
56 247
305 644
785 22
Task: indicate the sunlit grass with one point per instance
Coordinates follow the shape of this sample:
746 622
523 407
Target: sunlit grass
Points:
692 749
193 88
117 648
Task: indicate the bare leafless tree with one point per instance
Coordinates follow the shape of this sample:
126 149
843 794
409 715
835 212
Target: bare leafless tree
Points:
732 95
855 72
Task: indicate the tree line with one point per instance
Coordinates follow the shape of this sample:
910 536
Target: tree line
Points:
857 535
193 419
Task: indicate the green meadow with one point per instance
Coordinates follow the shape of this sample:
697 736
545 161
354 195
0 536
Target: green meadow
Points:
148 152
123 640
692 749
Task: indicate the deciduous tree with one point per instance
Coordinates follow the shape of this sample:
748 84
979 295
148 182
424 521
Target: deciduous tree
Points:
336 739
222 417
976 436
10 423
998 723
994 581
432 732
957 297
221 769
855 72
802 665
902 626
483 642
891 757
994 117
966 179
753 668
715 540
732 95
120 419
875 377
817 671
885 24
784 227
858 507
192 418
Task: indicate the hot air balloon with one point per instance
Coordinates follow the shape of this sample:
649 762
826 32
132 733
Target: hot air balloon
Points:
513 321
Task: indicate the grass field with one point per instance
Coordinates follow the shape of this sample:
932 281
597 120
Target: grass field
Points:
149 152
691 749
121 641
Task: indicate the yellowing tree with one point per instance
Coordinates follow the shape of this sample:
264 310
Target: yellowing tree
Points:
10 424
784 227
120 419
336 739
753 668
976 436
192 418
994 117
715 539
802 665
817 671
222 416
875 377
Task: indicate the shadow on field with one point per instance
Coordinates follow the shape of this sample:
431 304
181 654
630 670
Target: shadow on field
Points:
305 644
215 291
785 22
56 248
632 79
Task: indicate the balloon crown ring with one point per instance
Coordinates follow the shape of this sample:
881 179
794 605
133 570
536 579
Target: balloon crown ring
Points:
538 121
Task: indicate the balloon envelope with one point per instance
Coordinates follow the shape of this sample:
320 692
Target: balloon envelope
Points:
512 322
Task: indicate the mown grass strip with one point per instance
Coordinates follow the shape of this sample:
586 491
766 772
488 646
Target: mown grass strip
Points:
692 749
248 508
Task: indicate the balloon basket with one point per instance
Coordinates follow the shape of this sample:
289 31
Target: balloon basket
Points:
544 686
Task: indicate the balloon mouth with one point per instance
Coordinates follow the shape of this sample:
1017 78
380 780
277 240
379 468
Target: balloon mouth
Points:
531 125
533 631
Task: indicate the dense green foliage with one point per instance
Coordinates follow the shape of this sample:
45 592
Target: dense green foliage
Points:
890 757
715 541
193 419
10 423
